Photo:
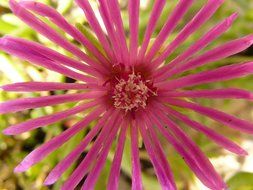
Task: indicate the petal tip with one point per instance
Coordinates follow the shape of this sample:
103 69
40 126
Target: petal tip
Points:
49 181
19 169
7 132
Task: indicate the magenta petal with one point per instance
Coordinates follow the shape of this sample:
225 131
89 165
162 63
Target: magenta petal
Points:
48 86
156 12
83 167
197 21
63 165
231 93
46 120
217 138
114 7
155 159
89 13
55 56
94 173
136 168
220 52
193 149
61 22
133 10
217 115
220 74
33 55
114 38
182 151
211 35
30 103
179 11
113 180
47 31
38 154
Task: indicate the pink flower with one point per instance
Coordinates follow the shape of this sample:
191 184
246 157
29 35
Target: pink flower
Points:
128 87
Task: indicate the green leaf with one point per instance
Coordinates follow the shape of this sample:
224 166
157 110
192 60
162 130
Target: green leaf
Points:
241 181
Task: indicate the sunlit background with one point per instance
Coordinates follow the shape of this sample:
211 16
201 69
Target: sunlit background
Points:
237 171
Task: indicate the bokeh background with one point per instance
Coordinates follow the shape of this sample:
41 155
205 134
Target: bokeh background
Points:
237 171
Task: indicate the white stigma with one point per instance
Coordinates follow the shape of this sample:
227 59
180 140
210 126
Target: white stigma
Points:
131 93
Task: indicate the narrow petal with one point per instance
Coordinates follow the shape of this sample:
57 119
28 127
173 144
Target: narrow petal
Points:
213 93
113 37
113 181
55 56
41 152
34 56
193 149
179 11
220 52
83 167
202 175
116 16
155 14
219 116
158 148
198 20
92 19
62 23
133 12
136 167
219 74
30 103
48 86
46 120
205 40
94 173
159 168
63 165
48 32
217 138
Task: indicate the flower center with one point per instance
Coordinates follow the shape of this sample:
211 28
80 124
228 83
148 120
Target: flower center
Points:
132 92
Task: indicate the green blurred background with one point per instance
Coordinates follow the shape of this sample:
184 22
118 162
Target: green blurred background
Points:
237 171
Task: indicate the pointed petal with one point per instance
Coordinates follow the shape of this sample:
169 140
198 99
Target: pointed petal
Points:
217 138
30 103
155 14
205 40
34 56
136 168
198 20
217 115
48 86
83 167
155 159
94 173
220 52
179 11
41 152
219 74
55 56
113 180
62 23
133 12
231 93
46 120
63 165
48 32
91 17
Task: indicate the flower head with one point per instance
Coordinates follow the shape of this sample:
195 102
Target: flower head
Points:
127 87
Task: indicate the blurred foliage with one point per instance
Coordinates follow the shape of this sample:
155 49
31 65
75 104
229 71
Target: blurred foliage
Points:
13 149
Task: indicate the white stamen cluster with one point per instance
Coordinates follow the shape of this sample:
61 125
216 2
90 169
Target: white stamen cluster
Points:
131 93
